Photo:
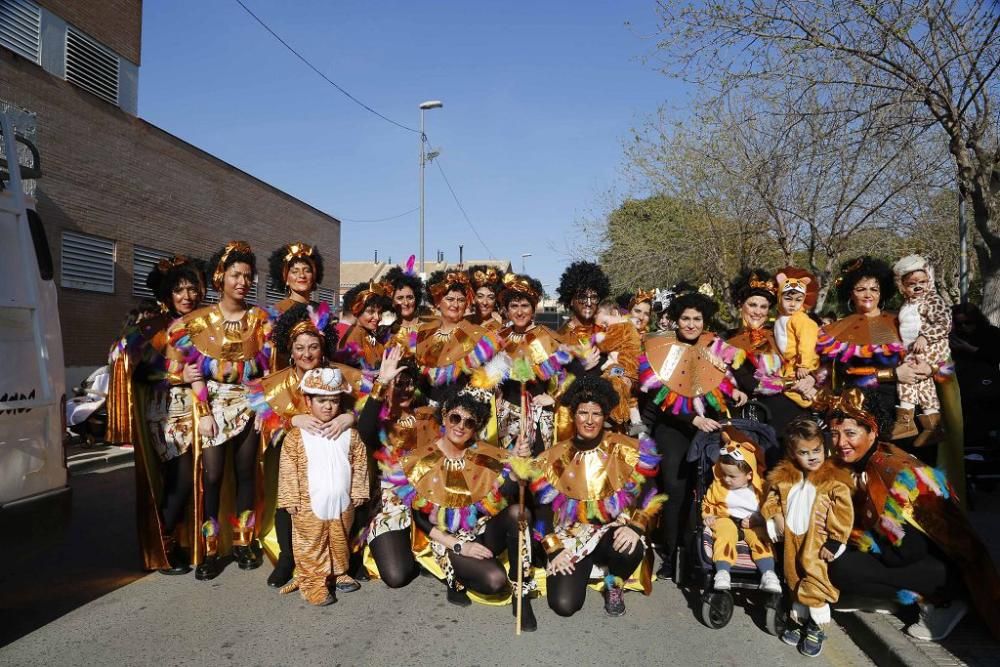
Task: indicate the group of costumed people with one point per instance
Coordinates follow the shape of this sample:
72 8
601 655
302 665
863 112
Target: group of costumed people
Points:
512 461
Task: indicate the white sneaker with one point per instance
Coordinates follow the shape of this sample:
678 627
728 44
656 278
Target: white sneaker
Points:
723 582
769 582
936 623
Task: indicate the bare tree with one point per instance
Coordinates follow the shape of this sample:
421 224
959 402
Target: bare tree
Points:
900 64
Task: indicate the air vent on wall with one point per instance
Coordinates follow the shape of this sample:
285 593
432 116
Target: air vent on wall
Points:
325 295
21 28
87 263
91 66
274 294
143 261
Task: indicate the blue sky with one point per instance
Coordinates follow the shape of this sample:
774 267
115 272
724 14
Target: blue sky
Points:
538 98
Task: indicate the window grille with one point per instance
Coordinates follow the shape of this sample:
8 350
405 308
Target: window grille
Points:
21 28
91 66
143 261
87 263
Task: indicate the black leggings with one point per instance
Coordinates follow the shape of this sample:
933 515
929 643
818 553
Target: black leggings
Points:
863 575
178 480
394 557
244 462
566 592
672 444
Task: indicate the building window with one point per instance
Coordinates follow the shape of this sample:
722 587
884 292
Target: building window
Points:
325 295
143 261
91 66
88 263
21 28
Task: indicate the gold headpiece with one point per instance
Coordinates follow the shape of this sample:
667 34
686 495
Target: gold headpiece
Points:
515 284
766 285
642 296
297 250
220 268
850 402
305 326
168 263
373 289
485 278
440 288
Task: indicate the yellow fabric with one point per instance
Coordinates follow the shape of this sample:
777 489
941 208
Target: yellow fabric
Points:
800 351
727 534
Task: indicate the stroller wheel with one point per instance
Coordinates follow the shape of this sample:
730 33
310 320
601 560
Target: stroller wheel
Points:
716 609
775 615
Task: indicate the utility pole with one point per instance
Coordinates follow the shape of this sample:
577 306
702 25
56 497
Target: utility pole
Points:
424 106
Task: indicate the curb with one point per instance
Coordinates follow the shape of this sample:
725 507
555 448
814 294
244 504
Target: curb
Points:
884 644
95 459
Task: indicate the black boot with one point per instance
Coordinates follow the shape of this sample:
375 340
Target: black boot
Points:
528 621
249 557
176 558
208 568
458 596
282 573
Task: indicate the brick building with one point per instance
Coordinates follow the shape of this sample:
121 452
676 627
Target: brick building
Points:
118 193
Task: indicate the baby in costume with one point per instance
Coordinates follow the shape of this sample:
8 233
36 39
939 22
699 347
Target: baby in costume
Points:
320 482
730 510
795 332
808 506
622 344
924 326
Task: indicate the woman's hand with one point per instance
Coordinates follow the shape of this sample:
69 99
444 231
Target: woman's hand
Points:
910 373
207 427
739 398
592 358
543 400
561 564
625 540
191 373
803 373
920 345
705 424
308 423
826 554
390 367
805 383
337 425
522 448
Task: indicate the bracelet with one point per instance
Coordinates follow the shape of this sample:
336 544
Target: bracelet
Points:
886 375
378 391
551 544
201 396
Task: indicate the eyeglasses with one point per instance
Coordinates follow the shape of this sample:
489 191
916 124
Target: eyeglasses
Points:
587 298
455 419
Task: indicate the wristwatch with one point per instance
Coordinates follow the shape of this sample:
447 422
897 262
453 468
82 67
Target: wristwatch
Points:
457 548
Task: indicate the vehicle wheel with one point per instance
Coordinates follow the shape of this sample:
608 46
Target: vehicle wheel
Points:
716 609
775 615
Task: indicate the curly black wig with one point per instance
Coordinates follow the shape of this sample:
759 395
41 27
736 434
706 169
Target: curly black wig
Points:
511 292
483 279
624 301
347 301
276 265
755 282
399 279
580 276
242 255
478 408
854 270
169 273
695 300
590 389
300 313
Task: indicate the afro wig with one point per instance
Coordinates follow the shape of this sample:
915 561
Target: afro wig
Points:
590 389
293 316
855 270
399 279
580 276
695 300
756 282
236 252
277 267
879 405
520 286
486 276
624 301
169 273
467 399
347 301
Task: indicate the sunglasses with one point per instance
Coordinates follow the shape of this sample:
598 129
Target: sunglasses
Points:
455 419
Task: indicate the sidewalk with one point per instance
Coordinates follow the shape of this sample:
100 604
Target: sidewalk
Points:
99 458
882 636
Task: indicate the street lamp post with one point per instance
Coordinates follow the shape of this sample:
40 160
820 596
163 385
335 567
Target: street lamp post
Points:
524 255
424 106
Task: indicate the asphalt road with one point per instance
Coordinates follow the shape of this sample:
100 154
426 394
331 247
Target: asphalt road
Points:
86 603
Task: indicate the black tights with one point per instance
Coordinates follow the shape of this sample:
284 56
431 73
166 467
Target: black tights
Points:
863 575
672 444
566 592
486 576
245 464
394 557
178 480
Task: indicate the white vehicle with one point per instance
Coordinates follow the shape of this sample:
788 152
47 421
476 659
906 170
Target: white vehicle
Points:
34 495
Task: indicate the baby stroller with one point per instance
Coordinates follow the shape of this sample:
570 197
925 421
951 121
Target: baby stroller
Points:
694 568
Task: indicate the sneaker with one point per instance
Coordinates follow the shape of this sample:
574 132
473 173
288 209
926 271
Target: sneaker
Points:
614 601
666 571
722 582
346 584
792 634
937 622
769 582
812 640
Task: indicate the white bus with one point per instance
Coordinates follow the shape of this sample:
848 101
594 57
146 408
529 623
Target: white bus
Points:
34 494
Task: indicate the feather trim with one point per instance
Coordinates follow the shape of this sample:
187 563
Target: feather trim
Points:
493 373
230 372
831 349
525 370
210 528
909 484
484 350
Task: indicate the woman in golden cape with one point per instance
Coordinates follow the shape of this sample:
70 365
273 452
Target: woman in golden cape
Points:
296 268
307 338
229 342
486 284
364 341
595 496
156 418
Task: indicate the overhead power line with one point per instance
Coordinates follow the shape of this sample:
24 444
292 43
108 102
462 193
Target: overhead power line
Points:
324 76
461 208
391 217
